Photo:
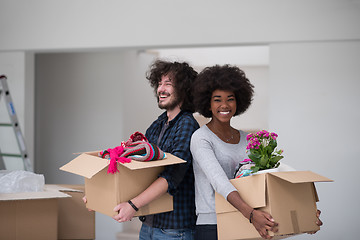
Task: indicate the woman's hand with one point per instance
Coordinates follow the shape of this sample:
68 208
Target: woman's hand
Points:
263 222
125 212
85 201
318 221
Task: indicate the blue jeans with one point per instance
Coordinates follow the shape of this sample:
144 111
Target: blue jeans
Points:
150 233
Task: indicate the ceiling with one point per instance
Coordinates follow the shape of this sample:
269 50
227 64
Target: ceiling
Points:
208 56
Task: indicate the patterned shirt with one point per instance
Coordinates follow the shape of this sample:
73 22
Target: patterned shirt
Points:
180 177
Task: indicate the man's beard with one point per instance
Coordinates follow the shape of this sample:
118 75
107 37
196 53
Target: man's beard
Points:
170 105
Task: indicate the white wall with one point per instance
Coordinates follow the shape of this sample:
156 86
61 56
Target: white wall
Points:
256 117
314 93
84 24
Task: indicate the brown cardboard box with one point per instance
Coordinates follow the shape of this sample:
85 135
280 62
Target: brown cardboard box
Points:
74 219
290 197
30 215
104 191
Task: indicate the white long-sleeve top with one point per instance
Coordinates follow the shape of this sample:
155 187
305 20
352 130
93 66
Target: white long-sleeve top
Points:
214 163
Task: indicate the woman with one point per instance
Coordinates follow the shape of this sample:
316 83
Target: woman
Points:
221 92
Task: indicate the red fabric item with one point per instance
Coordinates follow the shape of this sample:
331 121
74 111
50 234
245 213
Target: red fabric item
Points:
135 137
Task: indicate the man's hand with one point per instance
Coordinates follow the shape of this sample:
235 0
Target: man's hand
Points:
318 221
125 212
85 201
263 222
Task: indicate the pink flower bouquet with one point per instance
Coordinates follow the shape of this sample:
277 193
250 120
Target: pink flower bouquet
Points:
263 153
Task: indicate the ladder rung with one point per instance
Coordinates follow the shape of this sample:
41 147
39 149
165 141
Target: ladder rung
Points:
10 155
5 125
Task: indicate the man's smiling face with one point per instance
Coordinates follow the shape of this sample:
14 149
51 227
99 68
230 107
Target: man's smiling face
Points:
167 98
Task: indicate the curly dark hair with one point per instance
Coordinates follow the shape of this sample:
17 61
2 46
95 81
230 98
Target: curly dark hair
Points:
226 77
183 77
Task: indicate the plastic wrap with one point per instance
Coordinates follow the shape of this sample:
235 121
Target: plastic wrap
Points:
21 181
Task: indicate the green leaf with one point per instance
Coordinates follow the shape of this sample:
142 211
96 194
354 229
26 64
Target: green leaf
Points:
273 143
263 161
255 169
254 157
271 147
275 159
256 154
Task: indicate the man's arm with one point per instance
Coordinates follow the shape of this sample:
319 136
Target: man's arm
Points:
126 212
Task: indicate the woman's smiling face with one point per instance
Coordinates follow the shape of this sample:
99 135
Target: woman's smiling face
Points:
223 105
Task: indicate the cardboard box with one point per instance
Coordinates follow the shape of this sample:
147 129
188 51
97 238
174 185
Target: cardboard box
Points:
30 215
104 191
290 197
75 221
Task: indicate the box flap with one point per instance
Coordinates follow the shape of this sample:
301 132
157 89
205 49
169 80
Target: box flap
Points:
46 194
252 190
61 188
94 153
169 160
300 176
86 165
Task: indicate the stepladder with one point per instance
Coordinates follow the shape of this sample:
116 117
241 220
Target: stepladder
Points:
14 124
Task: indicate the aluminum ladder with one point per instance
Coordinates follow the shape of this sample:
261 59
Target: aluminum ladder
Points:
14 123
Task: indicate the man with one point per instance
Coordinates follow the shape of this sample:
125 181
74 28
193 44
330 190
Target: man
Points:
171 132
